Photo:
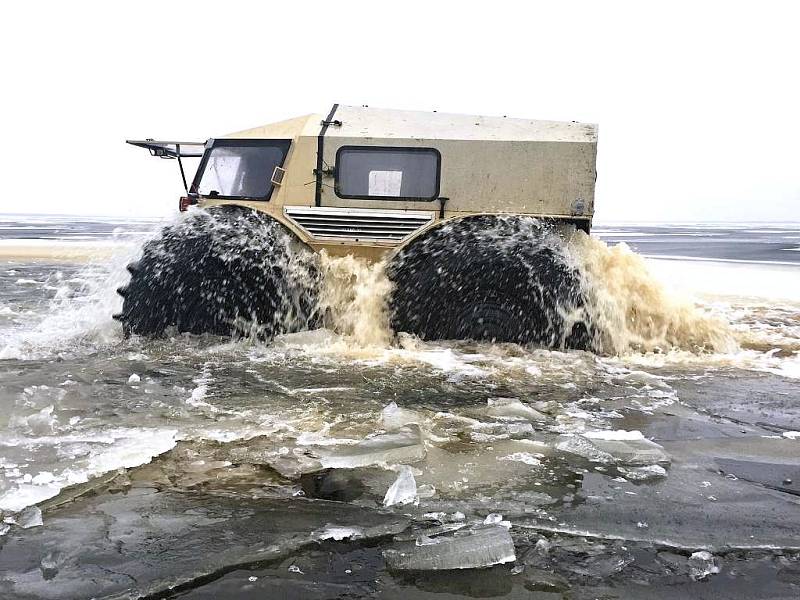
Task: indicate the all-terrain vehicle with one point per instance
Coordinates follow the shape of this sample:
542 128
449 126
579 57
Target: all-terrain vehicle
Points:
467 212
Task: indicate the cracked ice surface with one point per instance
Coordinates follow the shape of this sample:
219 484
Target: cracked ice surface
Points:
235 460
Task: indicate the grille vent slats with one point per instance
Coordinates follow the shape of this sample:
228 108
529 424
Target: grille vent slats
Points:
352 224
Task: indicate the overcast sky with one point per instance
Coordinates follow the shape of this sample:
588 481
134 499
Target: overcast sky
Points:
698 103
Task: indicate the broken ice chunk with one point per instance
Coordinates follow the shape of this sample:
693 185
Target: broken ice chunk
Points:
40 423
431 532
30 517
645 473
290 462
339 533
402 446
702 564
491 432
49 565
134 379
393 417
582 447
523 457
403 490
636 452
424 540
496 519
482 546
542 546
626 447
512 408
426 490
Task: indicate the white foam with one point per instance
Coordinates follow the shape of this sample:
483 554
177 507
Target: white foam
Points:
73 319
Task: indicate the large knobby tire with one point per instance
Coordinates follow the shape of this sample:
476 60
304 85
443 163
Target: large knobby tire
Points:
504 279
228 270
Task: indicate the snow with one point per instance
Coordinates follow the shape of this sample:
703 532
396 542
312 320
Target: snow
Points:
618 435
119 448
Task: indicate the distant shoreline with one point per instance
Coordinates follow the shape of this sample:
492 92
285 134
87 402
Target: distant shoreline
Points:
59 249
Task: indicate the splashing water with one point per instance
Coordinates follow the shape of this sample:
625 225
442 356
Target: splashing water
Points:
78 311
634 312
630 309
354 298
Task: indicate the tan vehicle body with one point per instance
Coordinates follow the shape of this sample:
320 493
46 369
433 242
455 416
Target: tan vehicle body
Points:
493 165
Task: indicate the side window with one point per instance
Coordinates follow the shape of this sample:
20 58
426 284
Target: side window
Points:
387 173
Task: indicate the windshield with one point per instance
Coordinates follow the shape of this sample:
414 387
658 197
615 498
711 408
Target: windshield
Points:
240 168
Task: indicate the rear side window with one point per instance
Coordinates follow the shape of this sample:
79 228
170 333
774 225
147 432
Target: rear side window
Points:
387 173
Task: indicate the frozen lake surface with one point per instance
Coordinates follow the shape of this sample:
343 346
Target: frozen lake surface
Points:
320 466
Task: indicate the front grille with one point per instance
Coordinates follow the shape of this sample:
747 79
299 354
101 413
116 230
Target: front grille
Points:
358 224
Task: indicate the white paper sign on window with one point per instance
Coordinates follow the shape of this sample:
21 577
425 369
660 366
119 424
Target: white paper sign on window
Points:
385 183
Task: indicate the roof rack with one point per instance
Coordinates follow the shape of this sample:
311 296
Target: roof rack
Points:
171 150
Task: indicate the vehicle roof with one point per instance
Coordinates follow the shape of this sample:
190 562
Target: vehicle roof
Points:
384 123
366 122
305 125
